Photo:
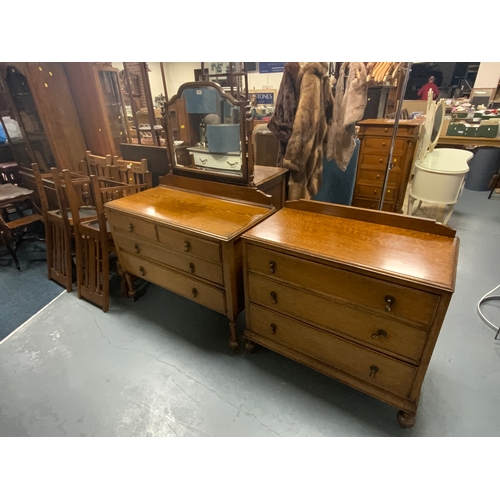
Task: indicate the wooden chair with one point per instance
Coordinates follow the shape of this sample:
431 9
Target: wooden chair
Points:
93 240
58 225
102 166
134 172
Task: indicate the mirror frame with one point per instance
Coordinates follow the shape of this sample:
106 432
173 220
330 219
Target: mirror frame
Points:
247 171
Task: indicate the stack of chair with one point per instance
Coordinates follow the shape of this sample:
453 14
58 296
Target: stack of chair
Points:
94 242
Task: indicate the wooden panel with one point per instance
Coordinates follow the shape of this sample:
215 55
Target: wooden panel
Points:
371 367
132 225
209 296
190 245
410 305
185 263
207 215
334 316
409 254
367 191
386 131
58 112
375 143
83 87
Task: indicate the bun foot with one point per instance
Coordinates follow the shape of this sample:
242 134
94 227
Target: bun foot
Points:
249 346
406 420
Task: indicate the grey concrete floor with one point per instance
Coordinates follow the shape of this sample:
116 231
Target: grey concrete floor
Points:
161 367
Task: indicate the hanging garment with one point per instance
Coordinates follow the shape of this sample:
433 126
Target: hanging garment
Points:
281 122
305 149
348 109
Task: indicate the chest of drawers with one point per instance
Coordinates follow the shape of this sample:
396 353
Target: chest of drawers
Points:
356 295
187 242
375 136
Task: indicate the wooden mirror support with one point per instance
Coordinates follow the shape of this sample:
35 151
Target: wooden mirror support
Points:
199 159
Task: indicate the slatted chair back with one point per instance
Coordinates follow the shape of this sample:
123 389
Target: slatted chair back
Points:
134 172
102 166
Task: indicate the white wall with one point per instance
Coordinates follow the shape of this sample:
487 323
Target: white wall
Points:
488 75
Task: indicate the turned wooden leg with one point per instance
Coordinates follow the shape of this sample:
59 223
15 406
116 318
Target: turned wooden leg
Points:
405 419
233 339
131 291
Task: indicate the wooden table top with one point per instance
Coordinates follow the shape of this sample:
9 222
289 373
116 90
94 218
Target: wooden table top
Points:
408 254
208 215
469 141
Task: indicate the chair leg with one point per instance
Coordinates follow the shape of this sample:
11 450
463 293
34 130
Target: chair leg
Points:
10 249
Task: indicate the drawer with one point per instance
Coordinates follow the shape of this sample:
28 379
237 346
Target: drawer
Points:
367 365
190 245
380 161
384 144
383 131
376 177
220 162
339 317
209 296
372 204
411 305
367 191
187 263
132 225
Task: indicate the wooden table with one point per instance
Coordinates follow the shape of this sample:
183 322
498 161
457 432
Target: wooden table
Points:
446 140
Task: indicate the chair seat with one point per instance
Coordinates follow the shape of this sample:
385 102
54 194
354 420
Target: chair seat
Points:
24 221
94 224
85 213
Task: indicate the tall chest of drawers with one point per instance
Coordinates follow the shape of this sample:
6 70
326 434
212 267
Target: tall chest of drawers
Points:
355 294
187 242
375 136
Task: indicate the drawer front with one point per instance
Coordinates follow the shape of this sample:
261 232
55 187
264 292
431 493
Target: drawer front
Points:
190 245
359 324
217 161
209 296
376 177
379 161
132 225
372 204
367 191
411 305
371 367
186 263
382 144
383 131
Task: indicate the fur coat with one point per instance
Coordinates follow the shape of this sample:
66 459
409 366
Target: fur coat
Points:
349 108
281 122
305 148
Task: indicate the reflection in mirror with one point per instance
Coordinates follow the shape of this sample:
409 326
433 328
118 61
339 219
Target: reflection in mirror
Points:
216 128
438 121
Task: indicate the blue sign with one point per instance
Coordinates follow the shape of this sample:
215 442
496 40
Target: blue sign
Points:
271 67
264 97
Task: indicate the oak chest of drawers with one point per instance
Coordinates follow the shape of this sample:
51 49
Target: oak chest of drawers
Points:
375 136
357 295
187 242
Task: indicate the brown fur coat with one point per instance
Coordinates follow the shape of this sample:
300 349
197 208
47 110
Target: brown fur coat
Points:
281 122
304 152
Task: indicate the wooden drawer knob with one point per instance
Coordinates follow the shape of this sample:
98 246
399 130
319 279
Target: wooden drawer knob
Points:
130 228
194 293
274 297
380 160
385 129
383 144
137 248
373 371
379 334
272 267
378 176
191 268
187 246
273 328
142 271
389 302
374 191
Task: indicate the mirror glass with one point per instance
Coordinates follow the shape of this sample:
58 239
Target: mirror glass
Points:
208 138
438 121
